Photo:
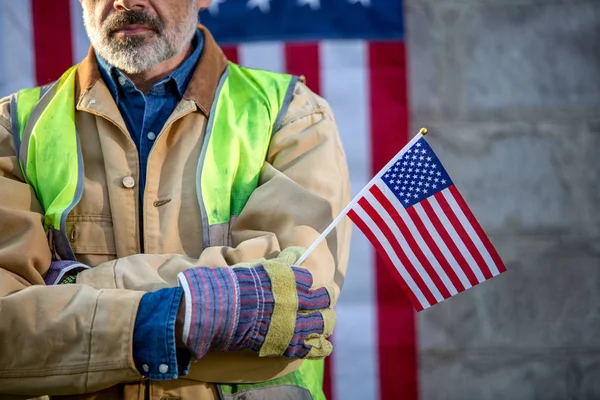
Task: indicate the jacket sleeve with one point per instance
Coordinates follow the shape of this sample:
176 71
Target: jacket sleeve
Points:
53 339
303 186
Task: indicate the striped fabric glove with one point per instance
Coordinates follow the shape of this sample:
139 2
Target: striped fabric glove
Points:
63 272
267 307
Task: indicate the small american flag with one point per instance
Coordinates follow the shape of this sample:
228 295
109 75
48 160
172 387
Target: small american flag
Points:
421 226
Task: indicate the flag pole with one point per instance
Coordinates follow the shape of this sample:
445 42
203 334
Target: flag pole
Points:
346 210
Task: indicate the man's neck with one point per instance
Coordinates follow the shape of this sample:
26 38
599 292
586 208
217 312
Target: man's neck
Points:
145 80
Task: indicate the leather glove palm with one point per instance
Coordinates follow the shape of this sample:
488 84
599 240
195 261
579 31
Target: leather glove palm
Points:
266 306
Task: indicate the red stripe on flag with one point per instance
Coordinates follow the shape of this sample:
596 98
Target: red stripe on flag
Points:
303 59
480 232
378 246
408 266
398 372
441 230
464 236
412 243
435 250
52 39
231 52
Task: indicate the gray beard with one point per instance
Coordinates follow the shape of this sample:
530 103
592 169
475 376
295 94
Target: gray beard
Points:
135 55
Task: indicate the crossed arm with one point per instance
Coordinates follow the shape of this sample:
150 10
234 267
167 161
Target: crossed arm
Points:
78 338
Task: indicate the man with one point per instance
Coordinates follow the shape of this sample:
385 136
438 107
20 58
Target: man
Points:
154 201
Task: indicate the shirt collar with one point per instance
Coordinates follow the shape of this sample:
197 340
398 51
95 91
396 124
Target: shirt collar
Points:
181 76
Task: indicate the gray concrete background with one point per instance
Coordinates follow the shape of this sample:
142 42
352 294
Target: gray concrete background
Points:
510 91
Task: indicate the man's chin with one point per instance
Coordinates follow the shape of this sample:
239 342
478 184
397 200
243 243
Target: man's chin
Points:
129 49
134 60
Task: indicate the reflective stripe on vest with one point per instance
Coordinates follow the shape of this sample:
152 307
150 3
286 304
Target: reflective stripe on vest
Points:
249 105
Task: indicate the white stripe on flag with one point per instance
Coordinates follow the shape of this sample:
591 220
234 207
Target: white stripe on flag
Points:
81 43
418 238
355 336
17 63
456 238
405 247
362 214
442 245
471 232
263 55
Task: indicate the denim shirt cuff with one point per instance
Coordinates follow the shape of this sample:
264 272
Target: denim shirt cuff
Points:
154 350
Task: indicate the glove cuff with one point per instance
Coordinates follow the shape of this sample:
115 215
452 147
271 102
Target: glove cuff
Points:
212 308
63 272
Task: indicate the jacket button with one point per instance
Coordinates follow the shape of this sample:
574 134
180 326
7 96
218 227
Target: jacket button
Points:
163 368
128 182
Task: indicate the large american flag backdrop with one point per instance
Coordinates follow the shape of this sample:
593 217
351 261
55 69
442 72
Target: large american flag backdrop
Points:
351 52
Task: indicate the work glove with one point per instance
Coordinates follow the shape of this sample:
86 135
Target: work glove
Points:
63 272
266 306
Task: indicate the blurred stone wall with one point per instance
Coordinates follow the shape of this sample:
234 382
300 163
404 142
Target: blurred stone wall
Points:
510 91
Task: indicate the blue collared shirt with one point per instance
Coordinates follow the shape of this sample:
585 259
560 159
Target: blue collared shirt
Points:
154 347
146 115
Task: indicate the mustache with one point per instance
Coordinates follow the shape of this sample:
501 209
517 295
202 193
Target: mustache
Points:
126 18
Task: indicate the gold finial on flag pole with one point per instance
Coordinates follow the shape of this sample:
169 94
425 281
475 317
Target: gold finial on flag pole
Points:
423 131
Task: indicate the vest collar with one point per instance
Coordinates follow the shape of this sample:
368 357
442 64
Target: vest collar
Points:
201 89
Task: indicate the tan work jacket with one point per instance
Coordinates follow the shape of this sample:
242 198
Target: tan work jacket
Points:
77 339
